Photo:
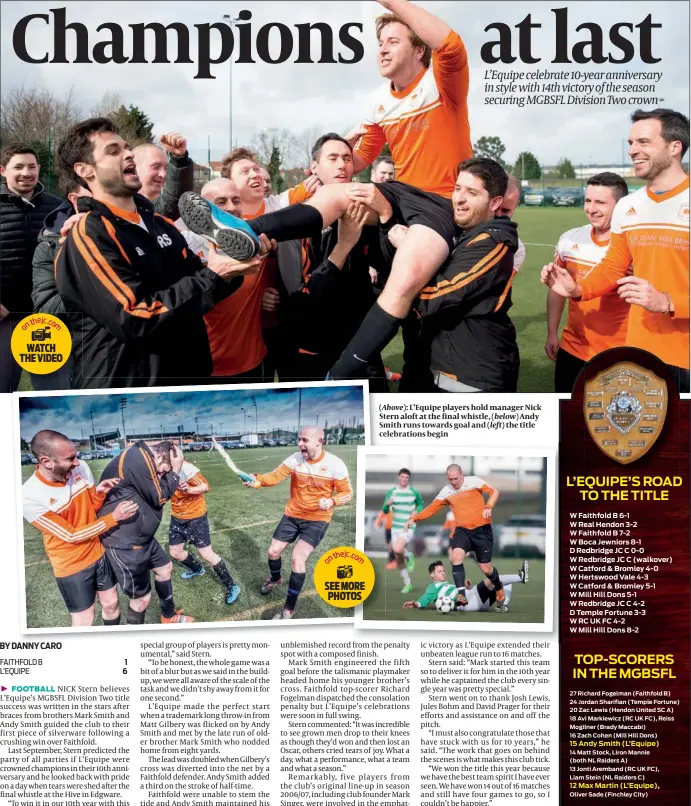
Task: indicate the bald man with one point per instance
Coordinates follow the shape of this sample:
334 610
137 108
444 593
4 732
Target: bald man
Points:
61 500
234 326
166 172
318 483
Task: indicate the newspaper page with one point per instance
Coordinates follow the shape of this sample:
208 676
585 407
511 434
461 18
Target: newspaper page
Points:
344 352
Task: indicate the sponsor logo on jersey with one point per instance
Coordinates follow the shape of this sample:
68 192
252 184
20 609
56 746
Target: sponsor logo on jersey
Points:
631 211
684 212
140 252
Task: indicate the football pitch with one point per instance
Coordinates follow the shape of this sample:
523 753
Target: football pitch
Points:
386 600
242 522
539 228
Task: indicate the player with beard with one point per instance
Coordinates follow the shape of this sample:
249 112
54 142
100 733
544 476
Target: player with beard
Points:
134 295
61 500
650 232
324 279
318 482
149 476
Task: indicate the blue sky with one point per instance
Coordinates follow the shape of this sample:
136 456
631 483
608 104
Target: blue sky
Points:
333 97
276 408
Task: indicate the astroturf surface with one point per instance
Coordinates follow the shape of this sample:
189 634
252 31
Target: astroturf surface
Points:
385 602
539 228
242 522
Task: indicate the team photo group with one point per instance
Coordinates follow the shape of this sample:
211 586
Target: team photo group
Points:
163 285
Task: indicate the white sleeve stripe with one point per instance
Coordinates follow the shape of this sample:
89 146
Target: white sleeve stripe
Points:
64 534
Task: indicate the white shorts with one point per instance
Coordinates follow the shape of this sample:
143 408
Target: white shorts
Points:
402 534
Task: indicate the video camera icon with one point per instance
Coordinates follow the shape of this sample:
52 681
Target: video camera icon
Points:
344 572
41 334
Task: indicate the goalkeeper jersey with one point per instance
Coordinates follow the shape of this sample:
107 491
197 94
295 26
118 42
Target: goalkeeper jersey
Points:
435 590
404 502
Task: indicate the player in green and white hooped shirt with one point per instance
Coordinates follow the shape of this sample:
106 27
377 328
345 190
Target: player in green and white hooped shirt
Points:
403 500
477 598
438 587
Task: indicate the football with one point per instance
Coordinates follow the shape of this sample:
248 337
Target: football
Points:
445 604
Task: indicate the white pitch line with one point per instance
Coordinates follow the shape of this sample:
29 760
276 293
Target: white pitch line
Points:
551 245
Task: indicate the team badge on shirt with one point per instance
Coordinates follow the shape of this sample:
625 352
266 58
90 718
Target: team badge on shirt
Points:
625 408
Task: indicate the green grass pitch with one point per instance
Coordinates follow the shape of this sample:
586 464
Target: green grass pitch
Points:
386 600
539 228
242 523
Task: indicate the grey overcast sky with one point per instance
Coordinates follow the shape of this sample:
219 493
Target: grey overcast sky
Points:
331 97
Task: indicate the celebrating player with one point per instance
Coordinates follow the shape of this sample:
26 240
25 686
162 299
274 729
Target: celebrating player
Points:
61 500
165 171
465 496
403 500
650 230
318 483
600 323
189 523
422 109
148 476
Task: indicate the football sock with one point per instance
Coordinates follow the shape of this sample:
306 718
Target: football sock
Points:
224 574
510 579
289 224
294 587
165 594
111 622
405 576
375 332
191 563
392 556
494 579
484 592
134 616
458 576
275 569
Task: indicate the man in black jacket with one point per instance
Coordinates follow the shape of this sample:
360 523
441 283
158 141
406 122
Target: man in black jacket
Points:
44 294
468 341
325 280
149 477
133 293
23 206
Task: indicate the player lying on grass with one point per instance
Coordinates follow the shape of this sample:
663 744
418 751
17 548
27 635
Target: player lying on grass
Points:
476 599
189 523
318 483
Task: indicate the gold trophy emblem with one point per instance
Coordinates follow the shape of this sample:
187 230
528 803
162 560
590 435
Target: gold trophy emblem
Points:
624 408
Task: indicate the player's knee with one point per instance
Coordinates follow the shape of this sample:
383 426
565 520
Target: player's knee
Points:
209 555
163 573
139 605
85 618
178 552
298 565
274 553
486 568
109 600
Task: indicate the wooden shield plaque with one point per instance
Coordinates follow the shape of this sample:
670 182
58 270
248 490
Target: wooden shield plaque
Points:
624 408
